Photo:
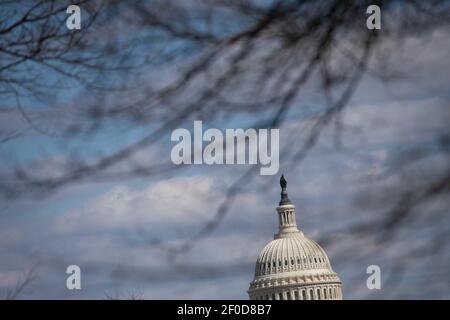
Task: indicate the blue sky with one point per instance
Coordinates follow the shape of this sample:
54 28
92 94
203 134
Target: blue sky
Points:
110 229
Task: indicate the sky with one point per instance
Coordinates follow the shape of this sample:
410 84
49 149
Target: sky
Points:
120 232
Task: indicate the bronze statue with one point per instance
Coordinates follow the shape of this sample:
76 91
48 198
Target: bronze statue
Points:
284 194
283 182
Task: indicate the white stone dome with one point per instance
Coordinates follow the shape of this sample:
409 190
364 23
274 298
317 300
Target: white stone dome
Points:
292 266
296 254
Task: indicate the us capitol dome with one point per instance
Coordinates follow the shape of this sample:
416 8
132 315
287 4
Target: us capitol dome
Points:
292 266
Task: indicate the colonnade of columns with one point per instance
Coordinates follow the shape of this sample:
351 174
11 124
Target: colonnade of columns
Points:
307 293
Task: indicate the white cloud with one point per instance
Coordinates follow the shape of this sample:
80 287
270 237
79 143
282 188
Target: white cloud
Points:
167 202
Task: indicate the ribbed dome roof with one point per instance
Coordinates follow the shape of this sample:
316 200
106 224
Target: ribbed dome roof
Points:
293 253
